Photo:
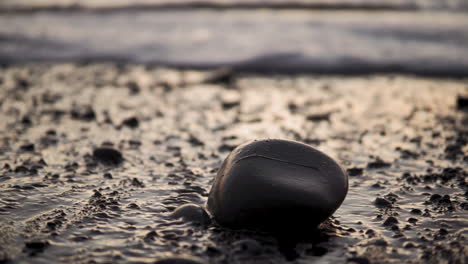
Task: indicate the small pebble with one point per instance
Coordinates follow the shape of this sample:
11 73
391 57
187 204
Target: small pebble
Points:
462 102
192 213
382 202
355 171
416 212
131 122
108 156
390 221
378 164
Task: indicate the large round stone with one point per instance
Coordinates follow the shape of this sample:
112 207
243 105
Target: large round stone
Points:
276 185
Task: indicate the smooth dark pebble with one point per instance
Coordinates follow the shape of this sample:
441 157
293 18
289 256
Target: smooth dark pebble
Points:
408 245
277 185
435 197
34 247
85 113
151 235
355 171
390 221
416 212
378 164
131 122
133 206
27 147
462 102
382 202
108 156
319 117
378 242
192 213
137 183
37 244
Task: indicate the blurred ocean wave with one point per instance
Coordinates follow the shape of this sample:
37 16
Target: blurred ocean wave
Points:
453 5
390 39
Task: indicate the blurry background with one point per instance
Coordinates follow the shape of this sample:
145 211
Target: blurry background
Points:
337 36
403 139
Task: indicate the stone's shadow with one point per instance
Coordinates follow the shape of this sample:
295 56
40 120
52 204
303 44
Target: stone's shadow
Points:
261 244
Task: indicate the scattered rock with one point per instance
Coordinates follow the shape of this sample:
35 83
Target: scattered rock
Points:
137 183
462 103
27 147
378 164
319 117
390 221
35 247
108 156
84 113
194 141
131 122
355 171
382 202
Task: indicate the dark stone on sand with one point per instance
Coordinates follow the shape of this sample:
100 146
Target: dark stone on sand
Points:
378 242
137 183
85 113
355 171
416 211
435 198
319 117
381 202
378 164
108 156
34 247
179 260
277 185
462 103
131 122
390 221
192 213
27 147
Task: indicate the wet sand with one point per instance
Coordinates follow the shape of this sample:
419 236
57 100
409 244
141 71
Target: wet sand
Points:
403 140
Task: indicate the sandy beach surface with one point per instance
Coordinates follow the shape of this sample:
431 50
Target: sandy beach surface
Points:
115 113
402 139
